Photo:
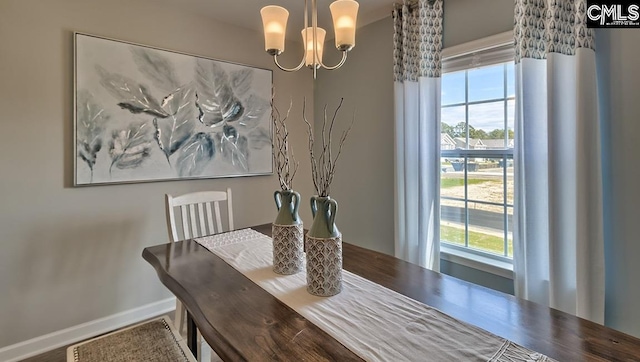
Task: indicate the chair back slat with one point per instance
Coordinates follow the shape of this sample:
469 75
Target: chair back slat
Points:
196 214
230 209
192 221
203 227
185 222
216 205
210 219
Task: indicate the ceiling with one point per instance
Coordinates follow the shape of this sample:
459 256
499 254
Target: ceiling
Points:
246 13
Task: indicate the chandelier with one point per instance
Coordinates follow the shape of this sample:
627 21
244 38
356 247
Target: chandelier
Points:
344 14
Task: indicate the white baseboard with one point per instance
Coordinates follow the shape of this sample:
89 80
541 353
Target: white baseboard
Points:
38 345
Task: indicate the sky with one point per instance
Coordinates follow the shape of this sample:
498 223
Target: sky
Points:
484 84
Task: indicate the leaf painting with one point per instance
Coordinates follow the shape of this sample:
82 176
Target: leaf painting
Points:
130 94
196 154
241 82
234 148
91 119
215 98
172 132
137 106
155 67
129 147
256 109
259 138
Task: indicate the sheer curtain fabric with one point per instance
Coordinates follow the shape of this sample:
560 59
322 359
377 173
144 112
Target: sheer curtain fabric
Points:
417 67
558 234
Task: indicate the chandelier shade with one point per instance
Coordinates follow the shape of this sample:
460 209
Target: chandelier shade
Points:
274 22
307 40
344 14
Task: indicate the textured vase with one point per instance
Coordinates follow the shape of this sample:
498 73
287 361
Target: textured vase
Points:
287 234
324 249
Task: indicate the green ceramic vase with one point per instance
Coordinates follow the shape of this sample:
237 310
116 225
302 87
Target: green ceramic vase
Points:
324 215
324 249
288 203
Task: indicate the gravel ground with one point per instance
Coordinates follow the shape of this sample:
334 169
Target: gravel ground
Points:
491 190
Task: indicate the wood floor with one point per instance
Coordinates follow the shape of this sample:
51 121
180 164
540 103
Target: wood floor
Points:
60 354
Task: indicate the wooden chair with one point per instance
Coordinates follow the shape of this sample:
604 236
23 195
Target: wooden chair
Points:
197 215
192 215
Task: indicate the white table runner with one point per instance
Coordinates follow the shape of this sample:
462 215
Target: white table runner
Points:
374 322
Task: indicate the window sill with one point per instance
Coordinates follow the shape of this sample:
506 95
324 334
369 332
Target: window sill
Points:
479 262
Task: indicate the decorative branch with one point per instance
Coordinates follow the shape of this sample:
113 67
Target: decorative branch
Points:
285 162
323 167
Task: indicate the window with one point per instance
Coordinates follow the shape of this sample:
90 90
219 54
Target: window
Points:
477 140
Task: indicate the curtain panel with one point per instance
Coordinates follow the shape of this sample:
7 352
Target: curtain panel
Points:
558 234
417 67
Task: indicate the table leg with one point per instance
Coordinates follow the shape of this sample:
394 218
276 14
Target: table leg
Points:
192 336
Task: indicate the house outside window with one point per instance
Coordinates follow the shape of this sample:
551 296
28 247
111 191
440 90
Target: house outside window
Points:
477 140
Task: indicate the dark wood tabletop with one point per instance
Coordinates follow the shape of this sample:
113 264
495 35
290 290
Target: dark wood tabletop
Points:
242 322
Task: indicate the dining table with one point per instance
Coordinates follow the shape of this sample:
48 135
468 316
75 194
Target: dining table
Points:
241 321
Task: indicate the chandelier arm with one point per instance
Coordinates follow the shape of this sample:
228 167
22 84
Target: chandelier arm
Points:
314 49
275 59
341 63
306 17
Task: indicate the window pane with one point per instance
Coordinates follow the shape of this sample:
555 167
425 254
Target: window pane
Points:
486 122
452 89
485 194
452 115
485 183
510 233
511 85
477 192
510 181
452 177
511 109
452 221
482 238
486 83
453 125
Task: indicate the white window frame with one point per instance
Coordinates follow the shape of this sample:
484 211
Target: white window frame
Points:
482 52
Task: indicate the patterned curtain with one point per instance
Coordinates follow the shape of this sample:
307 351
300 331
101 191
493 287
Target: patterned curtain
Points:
558 236
417 67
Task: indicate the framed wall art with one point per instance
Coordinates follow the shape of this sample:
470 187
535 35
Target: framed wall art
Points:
147 114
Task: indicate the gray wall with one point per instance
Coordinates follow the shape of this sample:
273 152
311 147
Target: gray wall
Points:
363 185
72 255
467 20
